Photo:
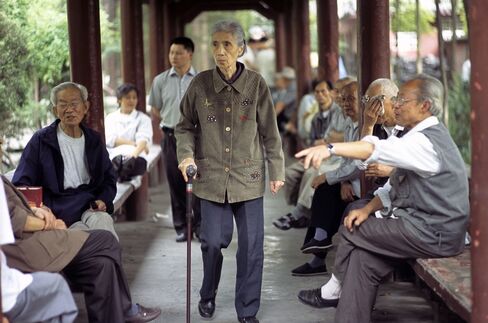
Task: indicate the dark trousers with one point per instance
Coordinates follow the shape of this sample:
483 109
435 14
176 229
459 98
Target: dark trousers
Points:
177 185
365 256
216 233
97 270
327 210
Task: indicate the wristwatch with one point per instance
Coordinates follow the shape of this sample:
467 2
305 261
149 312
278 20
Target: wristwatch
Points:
331 149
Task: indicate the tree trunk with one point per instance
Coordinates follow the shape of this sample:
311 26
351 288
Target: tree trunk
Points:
442 61
418 62
453 39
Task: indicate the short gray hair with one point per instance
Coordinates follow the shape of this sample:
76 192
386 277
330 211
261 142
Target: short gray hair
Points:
234 28
431 90
387 87
66 85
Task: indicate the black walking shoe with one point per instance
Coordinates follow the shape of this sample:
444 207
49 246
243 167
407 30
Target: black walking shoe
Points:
248 319
283 222
307 270
313 297
206 308
316 246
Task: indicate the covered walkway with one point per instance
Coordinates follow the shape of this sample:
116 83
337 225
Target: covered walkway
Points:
155 265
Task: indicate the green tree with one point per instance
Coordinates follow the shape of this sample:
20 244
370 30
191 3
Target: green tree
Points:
403 19
15 65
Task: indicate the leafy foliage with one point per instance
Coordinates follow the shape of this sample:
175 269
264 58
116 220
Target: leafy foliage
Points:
403 19
14 73
459 113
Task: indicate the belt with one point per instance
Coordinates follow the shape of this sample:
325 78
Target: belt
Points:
168 130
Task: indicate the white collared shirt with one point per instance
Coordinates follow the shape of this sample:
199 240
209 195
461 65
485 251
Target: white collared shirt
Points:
413 151
13 281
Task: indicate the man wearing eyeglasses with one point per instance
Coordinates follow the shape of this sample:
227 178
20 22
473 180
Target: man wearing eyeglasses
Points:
427 218
70 162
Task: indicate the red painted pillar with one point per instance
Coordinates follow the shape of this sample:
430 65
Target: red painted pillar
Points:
303 66
157 54
478 48
85 56
373 41
133 47
373 51
290 34
328 39
280 41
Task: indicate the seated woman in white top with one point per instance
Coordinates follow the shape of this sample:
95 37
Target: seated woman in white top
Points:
128 132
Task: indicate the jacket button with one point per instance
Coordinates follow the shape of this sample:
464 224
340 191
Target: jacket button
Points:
229 88
226 169
227 129
227 150
227 109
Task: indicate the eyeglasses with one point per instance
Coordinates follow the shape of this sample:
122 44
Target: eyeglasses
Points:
349 98
397 100
64 106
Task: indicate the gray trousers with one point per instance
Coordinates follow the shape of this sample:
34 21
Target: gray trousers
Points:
216 233
298 182
365 256
95 220
47 299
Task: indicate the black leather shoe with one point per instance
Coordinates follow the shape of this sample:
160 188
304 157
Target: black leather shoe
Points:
283 223
181 237
144 314
303 222
316 246
248 319
313 297
307 270
206 308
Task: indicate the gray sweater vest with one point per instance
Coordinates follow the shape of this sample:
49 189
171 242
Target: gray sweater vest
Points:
435 209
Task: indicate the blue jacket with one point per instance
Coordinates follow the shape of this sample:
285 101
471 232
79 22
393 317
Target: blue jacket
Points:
41 164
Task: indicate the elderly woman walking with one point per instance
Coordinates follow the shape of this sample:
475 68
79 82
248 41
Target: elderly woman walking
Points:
228 130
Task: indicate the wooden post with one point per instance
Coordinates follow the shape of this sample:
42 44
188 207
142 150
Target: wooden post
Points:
328 39
85 56
302 47
280 41
133 48
478 48
373 51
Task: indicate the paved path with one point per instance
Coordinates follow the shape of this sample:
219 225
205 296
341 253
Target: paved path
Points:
156 269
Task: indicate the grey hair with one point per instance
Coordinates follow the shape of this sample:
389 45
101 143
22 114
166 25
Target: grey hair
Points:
431 90
387 87
234 28
66 85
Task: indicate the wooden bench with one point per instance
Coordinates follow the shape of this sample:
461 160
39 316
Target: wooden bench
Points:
450 280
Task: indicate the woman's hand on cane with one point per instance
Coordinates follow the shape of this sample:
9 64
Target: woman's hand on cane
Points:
184 165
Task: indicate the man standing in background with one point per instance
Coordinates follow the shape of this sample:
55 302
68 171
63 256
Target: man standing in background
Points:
167 91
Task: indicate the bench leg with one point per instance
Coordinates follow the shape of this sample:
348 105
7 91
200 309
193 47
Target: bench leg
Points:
136 204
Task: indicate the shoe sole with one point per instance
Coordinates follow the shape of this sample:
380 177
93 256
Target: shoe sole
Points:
281 228
317 249
313 274
329 306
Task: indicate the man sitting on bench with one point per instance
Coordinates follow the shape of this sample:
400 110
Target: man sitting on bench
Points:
89 260
71 164
426 199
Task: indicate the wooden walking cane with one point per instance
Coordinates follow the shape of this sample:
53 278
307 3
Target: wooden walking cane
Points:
190 173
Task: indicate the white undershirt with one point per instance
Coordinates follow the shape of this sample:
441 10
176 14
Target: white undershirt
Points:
74 159
13 281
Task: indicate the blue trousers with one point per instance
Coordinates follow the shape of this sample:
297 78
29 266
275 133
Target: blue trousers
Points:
217 227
